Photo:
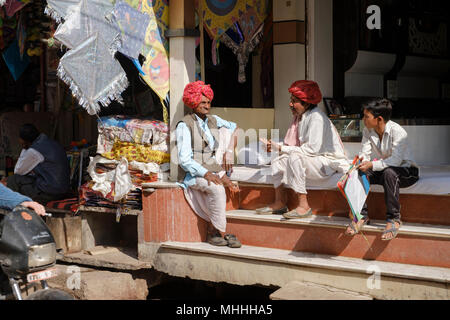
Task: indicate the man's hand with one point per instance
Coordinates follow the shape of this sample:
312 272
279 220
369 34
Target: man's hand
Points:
270 144
4 181
211 177
228 184
227 161
37 207
365 166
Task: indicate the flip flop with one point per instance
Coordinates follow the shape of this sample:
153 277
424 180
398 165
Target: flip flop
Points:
232 241
392 230
268 210
293 214
354 227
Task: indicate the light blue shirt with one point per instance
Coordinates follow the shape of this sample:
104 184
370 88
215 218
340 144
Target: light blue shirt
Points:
10 199
186 156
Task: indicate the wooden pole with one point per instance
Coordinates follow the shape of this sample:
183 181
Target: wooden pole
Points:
202 41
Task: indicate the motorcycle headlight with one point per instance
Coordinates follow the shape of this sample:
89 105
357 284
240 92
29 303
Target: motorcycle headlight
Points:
42 255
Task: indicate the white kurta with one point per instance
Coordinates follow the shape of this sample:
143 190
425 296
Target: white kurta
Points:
320 155
209 201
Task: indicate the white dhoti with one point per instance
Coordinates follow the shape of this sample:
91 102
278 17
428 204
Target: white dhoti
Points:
209 201
293 169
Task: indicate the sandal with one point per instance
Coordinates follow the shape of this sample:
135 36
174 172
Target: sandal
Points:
392 230
216 240
295 215
232 241
354 226
268 210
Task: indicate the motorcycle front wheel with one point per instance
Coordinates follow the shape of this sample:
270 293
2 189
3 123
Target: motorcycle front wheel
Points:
50 294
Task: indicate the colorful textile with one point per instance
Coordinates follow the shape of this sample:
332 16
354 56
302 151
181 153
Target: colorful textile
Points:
219 15
194 91
66 204
242 50
91 198
238 24
141 131
15 63
132 26
136 152
307 91
156 49
94 76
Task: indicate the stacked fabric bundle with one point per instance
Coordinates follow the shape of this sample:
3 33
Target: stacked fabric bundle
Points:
92 198
131 152
136 139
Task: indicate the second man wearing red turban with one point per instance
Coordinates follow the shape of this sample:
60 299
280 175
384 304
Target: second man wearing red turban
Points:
311 150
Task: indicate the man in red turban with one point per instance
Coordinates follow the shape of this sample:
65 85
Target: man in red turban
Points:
194 92
206 152
312 150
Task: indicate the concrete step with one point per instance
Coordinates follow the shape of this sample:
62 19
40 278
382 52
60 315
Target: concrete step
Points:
297 290
426 209
121 259
250 265
418 244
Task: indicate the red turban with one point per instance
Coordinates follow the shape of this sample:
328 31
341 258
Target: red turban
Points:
307 91
193 92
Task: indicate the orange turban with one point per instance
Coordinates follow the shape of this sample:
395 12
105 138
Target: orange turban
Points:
307 91
193 92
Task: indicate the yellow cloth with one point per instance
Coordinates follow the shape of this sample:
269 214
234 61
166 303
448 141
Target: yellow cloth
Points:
156 48
136 152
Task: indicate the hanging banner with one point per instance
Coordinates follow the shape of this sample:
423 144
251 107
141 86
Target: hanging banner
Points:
156 49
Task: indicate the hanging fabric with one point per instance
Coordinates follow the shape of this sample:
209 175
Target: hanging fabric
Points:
238 24
156 50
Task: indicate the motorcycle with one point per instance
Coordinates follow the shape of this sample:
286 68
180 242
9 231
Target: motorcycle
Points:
27 256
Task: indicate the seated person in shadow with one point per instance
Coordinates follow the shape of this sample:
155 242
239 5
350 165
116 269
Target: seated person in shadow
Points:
42 171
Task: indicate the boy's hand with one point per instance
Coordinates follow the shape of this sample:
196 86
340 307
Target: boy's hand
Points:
365 166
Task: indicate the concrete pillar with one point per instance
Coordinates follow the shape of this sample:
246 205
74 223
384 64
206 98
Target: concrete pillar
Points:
181 35
320 45
289 52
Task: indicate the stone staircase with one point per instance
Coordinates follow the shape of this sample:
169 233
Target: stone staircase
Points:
276 251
